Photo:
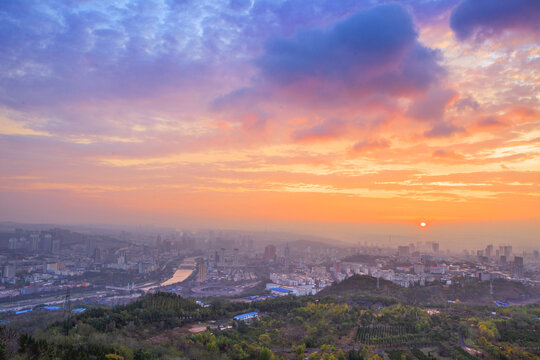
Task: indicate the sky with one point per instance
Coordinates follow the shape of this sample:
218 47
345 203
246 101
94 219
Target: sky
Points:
292 114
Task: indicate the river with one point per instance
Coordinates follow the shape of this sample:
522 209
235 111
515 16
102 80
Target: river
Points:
183 271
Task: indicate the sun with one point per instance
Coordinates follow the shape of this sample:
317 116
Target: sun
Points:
423 224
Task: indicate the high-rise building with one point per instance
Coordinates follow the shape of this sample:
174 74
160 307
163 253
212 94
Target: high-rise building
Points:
508 251
47 243
140 265
13 243
201 276
518 266
97 255
56 246
122 258
222 257
403 251
34 242
270 252
235 257
287 252
167 245
489 251
9 271
90 246
536 255
435 247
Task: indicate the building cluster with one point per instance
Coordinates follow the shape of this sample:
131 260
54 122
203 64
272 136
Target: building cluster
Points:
503 259
37 262
303 280
420 265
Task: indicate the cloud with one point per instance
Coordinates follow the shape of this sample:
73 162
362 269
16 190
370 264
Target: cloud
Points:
368 145
53 54
240 5
373 51
327 130
426 11
432 105
482 19
447 154
444 129
467 102
490 122
367 39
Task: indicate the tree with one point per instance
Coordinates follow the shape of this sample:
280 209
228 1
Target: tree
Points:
264 339
114 357
265 354
2 350
300 352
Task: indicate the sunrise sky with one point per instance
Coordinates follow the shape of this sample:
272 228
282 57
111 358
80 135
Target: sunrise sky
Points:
270 111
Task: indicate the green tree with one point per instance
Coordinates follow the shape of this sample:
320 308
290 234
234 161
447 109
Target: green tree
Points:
300 352
264 339
265 354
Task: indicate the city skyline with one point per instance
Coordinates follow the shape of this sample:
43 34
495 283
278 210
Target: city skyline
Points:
328 118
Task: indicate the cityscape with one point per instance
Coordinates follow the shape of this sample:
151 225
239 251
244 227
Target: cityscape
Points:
97 268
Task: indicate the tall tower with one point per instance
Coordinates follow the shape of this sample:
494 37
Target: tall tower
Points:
201 276
34 242
235 258
67 311
270 252
518 266
222 257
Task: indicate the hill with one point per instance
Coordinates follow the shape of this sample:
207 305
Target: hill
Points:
359 284
471 291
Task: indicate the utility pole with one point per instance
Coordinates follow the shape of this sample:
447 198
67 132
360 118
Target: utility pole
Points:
67 310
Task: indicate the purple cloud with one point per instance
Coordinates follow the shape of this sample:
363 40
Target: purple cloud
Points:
328 129
485 18
432 105
444 129
367 145
373 50
59 54
467 102
490 122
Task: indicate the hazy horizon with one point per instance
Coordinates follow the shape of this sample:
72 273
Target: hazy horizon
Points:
454 236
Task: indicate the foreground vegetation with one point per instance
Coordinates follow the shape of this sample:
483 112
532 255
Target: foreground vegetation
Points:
167 326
